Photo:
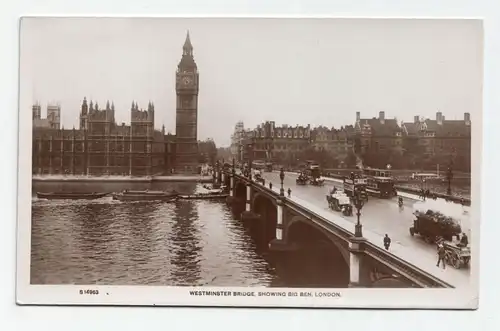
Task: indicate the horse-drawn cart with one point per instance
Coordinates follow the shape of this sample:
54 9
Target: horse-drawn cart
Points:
339 201
301 180
317 181
433 225
456 255
257 175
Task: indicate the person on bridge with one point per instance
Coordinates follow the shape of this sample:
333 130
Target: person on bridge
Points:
270 185
464 241
441 254
387 242
289 192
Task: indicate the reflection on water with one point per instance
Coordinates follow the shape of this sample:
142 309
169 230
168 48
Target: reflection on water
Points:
154 243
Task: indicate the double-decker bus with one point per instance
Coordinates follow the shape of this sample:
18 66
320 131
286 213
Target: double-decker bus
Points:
312 170
353 183
379 182
263 165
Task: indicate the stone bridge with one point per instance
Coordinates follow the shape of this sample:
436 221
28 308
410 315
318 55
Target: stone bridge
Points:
285 226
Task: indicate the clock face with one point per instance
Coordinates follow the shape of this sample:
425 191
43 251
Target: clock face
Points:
186 81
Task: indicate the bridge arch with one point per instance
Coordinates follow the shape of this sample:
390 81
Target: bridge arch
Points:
240 190
258 196
318 258
300 227
265 206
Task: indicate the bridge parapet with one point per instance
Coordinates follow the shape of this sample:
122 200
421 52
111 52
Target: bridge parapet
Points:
367 262
384 259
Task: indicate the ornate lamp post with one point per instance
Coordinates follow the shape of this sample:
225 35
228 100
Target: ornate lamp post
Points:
233 170
449 177
216 170
424 191
358 203
282 177
250 157
449 172
213 171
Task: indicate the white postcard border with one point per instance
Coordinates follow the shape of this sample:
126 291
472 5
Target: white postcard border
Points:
180 296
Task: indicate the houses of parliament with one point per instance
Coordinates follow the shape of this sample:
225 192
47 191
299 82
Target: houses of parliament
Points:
100 146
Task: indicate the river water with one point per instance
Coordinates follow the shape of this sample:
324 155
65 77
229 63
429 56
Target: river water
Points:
186 243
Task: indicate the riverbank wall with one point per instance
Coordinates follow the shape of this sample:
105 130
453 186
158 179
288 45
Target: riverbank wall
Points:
122 179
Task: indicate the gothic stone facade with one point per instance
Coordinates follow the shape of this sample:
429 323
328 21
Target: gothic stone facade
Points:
101 147
187 83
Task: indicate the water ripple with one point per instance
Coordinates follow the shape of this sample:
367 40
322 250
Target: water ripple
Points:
145 243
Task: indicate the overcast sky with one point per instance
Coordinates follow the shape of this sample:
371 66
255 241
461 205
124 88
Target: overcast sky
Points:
292 71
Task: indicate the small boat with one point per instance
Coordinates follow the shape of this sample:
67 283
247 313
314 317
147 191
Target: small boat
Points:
147 192
206 196
70 195
144 197
213 192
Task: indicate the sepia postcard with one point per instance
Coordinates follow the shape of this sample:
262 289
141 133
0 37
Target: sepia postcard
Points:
272 162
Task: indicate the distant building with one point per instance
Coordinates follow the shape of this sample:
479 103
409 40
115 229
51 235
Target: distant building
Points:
421 144
54 115
53 119
337 142
101 147
442 142
378 142
275 143
378 134
237 140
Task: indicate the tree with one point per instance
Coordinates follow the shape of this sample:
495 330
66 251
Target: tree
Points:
413 154
207 151
351 160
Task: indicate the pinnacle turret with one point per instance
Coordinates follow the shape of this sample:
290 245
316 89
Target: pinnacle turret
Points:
188 48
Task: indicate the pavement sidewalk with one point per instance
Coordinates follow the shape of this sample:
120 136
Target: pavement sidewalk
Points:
421 259
403 194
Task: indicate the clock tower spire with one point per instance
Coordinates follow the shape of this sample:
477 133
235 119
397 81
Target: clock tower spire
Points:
188 48
186 130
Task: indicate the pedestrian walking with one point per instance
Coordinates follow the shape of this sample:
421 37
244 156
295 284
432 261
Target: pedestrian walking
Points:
270 185
289 192
441 254
387 242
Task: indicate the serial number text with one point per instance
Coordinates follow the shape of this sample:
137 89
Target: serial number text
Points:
91 292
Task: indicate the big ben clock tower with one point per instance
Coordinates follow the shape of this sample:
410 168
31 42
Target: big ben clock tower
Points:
186 128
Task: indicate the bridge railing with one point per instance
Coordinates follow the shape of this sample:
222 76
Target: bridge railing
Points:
407 269
410 271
